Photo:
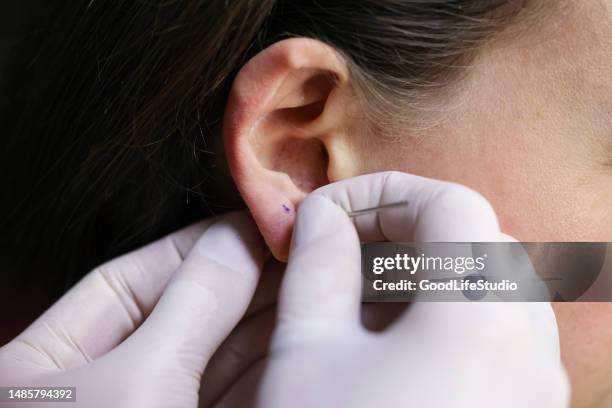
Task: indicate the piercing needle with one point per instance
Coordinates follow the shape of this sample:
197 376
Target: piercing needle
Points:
364 211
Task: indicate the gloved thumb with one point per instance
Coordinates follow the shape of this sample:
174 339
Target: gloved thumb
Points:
322 283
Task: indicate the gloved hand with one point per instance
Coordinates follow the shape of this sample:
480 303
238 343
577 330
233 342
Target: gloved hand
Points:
139 330
435 354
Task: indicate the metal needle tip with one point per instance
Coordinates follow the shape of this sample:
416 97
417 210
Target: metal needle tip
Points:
364 211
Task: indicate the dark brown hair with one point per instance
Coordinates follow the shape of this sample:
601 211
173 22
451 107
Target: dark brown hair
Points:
113 121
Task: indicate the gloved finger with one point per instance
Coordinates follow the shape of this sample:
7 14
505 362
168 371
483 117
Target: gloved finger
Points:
322 283
248 342
521 337
436 211
205 298
108 304
471 320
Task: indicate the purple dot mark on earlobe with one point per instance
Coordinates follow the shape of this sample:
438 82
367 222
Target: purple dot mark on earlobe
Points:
286 209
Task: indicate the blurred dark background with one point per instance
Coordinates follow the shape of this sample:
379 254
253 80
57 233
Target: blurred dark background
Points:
22 27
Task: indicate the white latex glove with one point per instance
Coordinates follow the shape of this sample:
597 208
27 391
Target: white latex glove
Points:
139 330
435 354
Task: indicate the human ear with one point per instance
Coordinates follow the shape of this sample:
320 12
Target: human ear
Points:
285 131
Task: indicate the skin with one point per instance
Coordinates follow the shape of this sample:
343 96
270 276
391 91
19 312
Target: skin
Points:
530 139
533 137
537 128
529 127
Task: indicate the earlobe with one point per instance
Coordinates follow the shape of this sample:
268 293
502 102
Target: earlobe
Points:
283 129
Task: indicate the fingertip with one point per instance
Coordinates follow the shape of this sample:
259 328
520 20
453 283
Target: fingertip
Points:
322 279
316 217
233 241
